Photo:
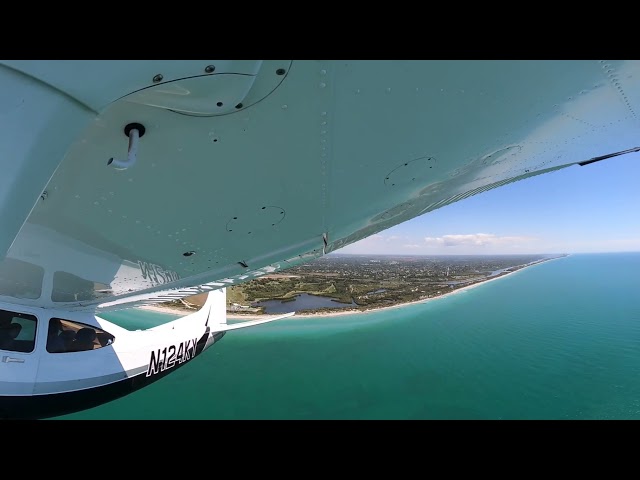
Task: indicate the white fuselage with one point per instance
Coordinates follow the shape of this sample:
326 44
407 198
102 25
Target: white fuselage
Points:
40 380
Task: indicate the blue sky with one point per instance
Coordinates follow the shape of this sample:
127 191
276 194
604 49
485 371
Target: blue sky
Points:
595 208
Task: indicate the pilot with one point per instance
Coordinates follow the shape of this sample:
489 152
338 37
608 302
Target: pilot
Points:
8 333
84 340
55 343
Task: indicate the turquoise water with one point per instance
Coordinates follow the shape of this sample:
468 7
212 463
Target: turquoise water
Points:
559 340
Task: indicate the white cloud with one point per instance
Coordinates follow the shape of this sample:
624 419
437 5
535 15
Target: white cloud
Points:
476 239
460 244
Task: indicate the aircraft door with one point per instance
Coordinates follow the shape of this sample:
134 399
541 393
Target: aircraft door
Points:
18 355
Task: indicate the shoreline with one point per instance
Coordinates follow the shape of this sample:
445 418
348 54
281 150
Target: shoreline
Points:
347 311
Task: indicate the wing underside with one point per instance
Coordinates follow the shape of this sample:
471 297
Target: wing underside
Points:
256 166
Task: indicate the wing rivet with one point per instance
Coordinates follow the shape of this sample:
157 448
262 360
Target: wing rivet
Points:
158 78
210 69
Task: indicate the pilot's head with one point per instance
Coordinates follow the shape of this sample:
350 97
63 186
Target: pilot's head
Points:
14 330
54 325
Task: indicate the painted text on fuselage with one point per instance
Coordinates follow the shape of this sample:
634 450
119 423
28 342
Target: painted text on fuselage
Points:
165 358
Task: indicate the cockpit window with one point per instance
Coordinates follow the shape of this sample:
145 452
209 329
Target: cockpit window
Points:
68 287
17 331
67 336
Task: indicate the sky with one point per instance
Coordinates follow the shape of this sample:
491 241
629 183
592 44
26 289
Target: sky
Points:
595 208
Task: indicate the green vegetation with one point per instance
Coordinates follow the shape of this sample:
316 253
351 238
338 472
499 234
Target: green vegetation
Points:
235 296
377 281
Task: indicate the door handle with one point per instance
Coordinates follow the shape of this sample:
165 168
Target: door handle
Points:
8 359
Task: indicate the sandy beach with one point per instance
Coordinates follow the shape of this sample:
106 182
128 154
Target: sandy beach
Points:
344 311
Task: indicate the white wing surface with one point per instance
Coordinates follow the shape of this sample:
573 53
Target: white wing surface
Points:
243 168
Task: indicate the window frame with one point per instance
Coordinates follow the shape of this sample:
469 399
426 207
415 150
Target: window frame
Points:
110 340
26 316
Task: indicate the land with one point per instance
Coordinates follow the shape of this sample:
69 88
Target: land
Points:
365 282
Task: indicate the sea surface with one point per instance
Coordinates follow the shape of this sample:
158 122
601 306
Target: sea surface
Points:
557 340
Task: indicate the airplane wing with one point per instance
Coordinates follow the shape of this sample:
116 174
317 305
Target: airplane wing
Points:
133 182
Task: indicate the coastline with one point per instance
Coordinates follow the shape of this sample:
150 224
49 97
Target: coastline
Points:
345 311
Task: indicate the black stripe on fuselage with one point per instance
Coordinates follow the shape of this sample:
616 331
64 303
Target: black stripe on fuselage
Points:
54 405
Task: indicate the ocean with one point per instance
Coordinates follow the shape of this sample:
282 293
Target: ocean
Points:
558 340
